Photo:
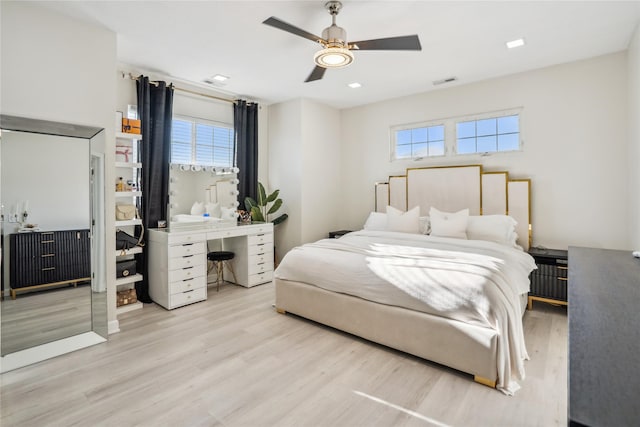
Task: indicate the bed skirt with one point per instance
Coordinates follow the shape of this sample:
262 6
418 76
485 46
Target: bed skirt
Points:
467 348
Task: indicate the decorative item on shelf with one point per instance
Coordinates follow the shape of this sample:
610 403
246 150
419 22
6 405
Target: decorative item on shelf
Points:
125 241
123 152
244 217
265 206
131 126
126 212
120 184
126 297
125 268
132 111
28 228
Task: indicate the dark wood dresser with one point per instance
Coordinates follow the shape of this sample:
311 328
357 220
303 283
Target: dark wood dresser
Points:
47 258
604 338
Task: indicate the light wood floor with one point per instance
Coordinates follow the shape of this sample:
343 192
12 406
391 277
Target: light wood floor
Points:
233 361
41 317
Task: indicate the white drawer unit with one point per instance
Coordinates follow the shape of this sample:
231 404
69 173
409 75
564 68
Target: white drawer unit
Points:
253 262
177 268
178 260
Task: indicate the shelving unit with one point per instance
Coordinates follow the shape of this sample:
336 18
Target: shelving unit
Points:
127 147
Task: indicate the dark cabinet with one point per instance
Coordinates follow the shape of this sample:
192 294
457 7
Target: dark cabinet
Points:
48 258
549 281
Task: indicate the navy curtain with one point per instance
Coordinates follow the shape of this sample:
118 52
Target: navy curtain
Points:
155 103
245 124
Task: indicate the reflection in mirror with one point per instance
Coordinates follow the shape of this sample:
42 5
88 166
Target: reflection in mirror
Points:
47 197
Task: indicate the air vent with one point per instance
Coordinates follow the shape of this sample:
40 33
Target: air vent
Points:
443 81
218 80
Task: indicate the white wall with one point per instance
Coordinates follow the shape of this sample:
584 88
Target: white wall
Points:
574 127
285 170
56 68
56 201
304 163
633 59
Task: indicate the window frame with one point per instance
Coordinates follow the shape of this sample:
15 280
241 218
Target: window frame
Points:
484 116
411 126
195 121
451 134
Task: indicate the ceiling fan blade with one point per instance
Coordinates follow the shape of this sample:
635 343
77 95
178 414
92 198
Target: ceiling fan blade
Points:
281 25
391 43
316 74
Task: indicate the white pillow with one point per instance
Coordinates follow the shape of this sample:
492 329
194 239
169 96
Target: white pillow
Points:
228 213
377 221
404 222
446 224
197 208
213 209
493 228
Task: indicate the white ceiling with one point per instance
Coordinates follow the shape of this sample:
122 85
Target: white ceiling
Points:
190 41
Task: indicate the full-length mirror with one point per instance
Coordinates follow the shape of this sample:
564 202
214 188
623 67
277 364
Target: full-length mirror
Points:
52 234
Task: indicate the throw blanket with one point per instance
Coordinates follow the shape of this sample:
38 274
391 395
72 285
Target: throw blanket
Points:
472 281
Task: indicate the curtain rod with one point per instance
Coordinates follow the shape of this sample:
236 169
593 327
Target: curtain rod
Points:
193 92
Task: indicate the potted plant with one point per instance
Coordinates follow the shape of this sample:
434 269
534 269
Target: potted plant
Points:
265 206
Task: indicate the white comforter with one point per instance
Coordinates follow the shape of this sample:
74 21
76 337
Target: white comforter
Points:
473 281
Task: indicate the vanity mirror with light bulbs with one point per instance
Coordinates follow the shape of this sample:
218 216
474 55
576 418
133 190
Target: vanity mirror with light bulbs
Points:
53 232
207 194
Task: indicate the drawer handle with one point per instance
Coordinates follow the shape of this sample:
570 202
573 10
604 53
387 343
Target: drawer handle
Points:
47 241
186 280
186 268
187 256
48 268
564 279
47 255
562 268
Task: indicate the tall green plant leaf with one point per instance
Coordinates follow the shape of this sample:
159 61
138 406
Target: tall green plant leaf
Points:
262 195
276 205
249 203
256 214
273 196
280 219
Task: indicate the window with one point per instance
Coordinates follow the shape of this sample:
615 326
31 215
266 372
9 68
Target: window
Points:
199 142
418 142
488 135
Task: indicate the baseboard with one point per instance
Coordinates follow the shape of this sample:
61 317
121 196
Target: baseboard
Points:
49 350
113 327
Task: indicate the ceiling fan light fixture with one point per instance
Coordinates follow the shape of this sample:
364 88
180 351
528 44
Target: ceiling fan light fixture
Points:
333 57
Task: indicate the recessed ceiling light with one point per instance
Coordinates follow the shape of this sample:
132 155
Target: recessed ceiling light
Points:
354 85
220 78
515 43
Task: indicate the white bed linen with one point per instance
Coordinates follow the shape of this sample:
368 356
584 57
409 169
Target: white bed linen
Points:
472 281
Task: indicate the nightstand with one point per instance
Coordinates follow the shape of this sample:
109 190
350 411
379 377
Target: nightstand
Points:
338 234
549 281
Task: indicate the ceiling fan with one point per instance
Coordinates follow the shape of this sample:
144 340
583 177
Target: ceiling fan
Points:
336 50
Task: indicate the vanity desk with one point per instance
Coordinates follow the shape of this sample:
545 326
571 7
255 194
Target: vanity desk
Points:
178 259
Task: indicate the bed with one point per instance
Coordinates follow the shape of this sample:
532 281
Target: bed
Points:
423 289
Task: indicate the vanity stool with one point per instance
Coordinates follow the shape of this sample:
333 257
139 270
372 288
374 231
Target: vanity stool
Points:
219 259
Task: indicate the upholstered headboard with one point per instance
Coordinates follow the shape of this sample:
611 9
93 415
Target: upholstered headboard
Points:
452 188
